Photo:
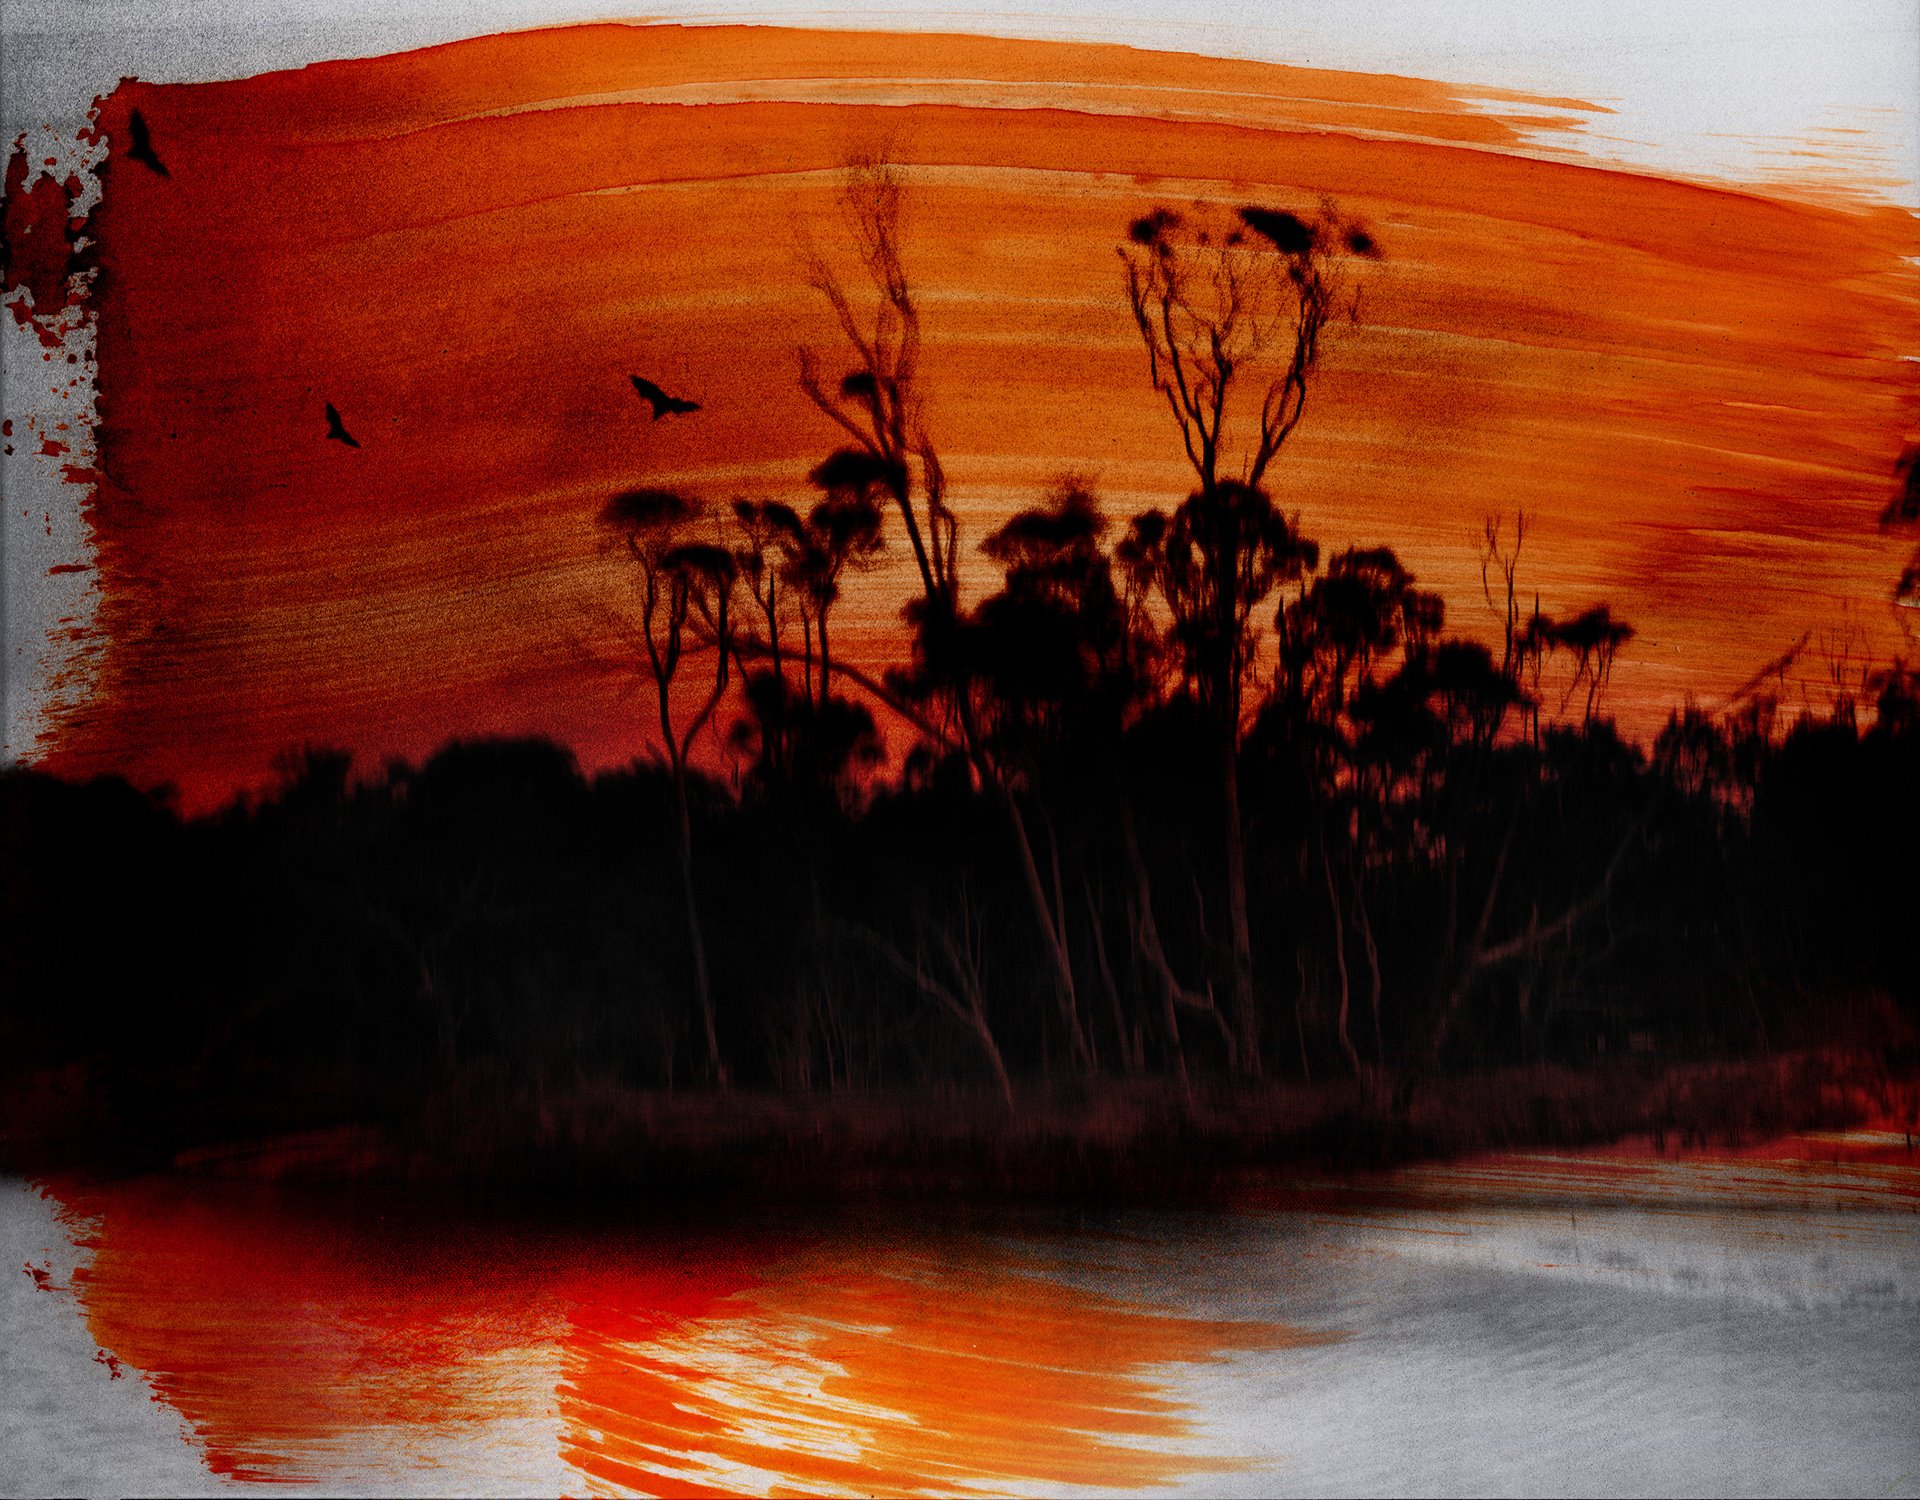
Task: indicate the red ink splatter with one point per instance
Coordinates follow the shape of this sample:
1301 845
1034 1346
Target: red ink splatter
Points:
39 247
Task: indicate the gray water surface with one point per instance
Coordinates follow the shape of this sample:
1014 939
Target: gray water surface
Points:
1559 1325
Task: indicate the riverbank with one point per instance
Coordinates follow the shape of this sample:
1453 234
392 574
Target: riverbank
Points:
1107 1139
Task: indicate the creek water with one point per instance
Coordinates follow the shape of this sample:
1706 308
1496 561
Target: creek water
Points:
1598 1323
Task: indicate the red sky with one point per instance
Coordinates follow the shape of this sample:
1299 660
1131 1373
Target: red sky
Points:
1698 393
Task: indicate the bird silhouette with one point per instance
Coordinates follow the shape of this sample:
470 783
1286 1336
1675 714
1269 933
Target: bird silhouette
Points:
663 405
336 429
142 148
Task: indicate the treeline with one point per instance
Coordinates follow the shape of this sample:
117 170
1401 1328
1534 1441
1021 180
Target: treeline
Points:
1429 887
1176 797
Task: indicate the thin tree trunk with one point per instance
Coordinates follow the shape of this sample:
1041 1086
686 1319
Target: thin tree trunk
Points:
1062 961
1129 1040
1246 1016
1340 962
970 1013
1534 938
1373 965
1088 1042
825 685
698 941
1153 953
976 1014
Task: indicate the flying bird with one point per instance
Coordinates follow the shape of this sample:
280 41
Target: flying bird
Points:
336 429
142 148
663 405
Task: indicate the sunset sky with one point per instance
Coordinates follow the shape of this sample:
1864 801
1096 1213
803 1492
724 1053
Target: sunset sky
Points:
1649 276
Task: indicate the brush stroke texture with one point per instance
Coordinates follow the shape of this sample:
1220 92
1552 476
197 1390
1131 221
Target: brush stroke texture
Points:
304 1345
1699 393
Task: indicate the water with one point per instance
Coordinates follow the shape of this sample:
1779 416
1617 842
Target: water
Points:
1521 1325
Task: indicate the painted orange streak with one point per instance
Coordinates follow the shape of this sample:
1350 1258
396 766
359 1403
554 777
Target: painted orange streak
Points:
905 1376
299 1342
541 69
1699 394
306 1340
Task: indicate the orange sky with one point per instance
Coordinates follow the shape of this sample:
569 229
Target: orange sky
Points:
1699 394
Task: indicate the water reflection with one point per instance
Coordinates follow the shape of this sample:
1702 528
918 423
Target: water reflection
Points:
908 1372
299 1343
303 1341
1599 1323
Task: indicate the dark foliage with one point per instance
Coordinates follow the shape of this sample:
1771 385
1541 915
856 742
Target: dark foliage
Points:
1181 805
1425 901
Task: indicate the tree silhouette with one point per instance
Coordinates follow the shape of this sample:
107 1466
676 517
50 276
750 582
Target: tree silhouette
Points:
1148 757
770 544
1051 655
1337 638
687 584
1525 641
1903 513
1224 304
806 736
878 403
1342 629
842 531
1594 638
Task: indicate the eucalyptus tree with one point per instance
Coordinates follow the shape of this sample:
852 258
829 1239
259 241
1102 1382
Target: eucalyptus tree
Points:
1232 310
687 583
879 406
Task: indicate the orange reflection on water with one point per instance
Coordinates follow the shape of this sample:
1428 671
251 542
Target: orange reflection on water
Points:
303 1341
910 1373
